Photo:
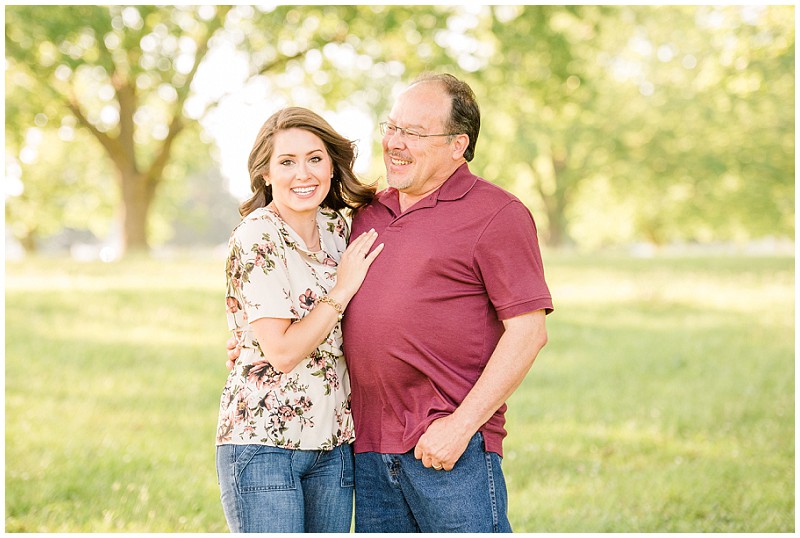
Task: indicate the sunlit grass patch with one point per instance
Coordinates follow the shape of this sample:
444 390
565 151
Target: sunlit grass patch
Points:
663 402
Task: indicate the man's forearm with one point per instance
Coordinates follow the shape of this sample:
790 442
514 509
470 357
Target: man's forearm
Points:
513 357
446 438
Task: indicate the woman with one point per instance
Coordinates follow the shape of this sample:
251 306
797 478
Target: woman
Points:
284 455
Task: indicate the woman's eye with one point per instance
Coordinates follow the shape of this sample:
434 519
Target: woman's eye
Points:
316 159
286 163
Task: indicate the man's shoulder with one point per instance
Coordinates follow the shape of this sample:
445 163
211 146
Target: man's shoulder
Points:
492 191
488 198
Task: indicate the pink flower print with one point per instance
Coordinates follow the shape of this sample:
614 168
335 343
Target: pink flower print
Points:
332 378
304 403
262 251
275 422
232 304
266 248
225 430
234 266
268 401
330 262
317 360
262 375
345 432
308 299
286 412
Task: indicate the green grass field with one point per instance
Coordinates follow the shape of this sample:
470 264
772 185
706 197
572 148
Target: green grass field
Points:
663 402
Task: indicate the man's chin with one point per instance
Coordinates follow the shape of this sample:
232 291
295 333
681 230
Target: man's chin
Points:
398 183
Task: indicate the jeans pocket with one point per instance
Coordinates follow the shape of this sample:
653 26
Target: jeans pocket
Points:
264 468
348 465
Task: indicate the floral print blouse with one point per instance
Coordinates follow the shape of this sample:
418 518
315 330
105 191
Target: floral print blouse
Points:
271 273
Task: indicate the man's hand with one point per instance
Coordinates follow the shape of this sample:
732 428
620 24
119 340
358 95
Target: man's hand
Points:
443 443
447 438
234 350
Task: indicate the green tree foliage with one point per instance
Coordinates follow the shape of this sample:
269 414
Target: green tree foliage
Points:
613 123
124 74
649 123
75 184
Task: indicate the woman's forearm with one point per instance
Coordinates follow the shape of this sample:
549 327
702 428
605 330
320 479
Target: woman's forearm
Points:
286 344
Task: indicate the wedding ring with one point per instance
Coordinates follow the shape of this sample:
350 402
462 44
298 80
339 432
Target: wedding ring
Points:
435 468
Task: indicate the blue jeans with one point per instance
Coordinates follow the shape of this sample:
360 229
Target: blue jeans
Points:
396 493
268 489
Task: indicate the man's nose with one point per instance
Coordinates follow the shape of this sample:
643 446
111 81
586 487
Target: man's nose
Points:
396 139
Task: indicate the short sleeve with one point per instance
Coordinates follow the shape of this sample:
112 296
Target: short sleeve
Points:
335 232
263 287
508 261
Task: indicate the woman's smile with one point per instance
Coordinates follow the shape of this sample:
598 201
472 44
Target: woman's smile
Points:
305 192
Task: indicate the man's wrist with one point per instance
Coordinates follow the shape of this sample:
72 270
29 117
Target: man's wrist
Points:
462 423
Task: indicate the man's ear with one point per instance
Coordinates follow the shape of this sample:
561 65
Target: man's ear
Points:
460 144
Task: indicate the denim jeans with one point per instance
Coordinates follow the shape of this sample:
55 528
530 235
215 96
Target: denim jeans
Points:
396 493
268 489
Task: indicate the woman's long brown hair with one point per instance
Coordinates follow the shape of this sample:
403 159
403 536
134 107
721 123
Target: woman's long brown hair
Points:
346 190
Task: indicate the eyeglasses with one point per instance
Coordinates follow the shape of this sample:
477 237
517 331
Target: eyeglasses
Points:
389 129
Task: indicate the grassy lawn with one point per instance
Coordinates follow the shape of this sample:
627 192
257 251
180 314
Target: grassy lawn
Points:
664 401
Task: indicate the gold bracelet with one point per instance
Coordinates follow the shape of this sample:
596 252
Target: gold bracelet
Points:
333 303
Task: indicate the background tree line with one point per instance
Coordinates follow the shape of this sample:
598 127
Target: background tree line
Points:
613 123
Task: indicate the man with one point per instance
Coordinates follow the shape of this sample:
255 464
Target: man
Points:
445 327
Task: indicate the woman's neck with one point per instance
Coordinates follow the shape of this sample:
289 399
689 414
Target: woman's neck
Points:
304 225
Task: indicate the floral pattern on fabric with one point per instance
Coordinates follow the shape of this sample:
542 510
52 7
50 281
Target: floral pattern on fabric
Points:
271 273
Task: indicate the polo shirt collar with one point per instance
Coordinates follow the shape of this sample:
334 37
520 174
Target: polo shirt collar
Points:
454 188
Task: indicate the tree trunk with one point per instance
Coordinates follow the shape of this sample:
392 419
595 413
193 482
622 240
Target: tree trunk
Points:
29 242
556 235
137 198
551 188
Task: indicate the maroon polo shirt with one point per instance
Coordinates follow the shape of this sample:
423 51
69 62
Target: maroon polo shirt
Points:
428 316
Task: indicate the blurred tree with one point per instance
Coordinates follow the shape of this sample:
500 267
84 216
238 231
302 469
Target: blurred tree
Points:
125 74
69 176
548 105
677 120
714 155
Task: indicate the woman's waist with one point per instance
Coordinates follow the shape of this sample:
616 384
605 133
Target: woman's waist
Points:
247 340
